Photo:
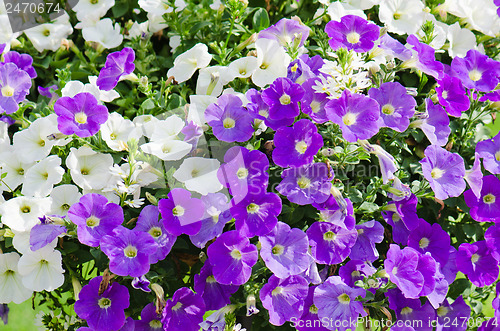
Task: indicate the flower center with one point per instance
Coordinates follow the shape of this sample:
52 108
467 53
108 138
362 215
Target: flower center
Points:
236 254
285 99
94 2
178 211
406 310
130 251
353 37
444 95
294 68
84 171
112 136
104 303
177 306
474 258
437 173
396 15
396 218
278 290
423 243
361 231
46 33
489 199
228 123
155 324
25 209
497 156
301 147
313 309
349 119
211 279
329 236
20 172
355 273
253 208
442 311
315 106
394 270
344 298
278 250
303 182
65 206
81 118
475 75
92 221
7 91
242 173
388 109
155 232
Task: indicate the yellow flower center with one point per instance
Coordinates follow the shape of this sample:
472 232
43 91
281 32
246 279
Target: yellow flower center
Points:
315 105
489 199
92 221
294 68
178 211
303 182
423 243
396 16
406 310
442 311
25 209
242 173
155 324
253 208
236 254
177 306
130 251
301 147
388 109
285 99
329 236
437 173
211 279
444 95
344 298
313 309
475 75
497 156
349 119
155 232
474 258
228 123
104 303
7 91
81 118
353 37
278 290
278 250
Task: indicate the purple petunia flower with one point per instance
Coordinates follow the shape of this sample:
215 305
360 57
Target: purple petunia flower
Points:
336 301
184 311
128 251
452 96
477 262
386 161
95 217
229 120
411 311
369 233
457 311
181 213
355 270
22 61
232 258
284 298
307 184
337 210
287 32
476 71
298 72
352 32
214 295
117 64
150 320
149 222
216 216
257 214
48 91
42 234
396 105
283 98
81 115
422 57
310 317
402 267
284 250
15 85
445 172
105 311
435 123
492 237
313 103
489 151
485 208
431 238
296 146
356 114
330 244
314 63
474 176
141 283
260 111
243 171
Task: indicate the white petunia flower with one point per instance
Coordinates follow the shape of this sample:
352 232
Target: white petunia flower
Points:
63 197
197 107
74 87
42 270
187 63
480 15
402 16
104 96
104 33
15 169
135 203
50 35
216 5
89 169
242 68
272 63
41 178
117 131
92 9
21 241
160 7
11 284
174 42
211 80
156 23
362 4
167 149
168 128
439 34
22 213
4 136
199 174
461 40
145 124
6 35
337 10
137 30
110 195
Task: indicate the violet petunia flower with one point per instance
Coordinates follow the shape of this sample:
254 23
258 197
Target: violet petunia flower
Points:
150 320
477 71
15 85
287 32
260 111
457 311
104 311
229 120
141 283
22 61
435 123
296 146
352 32
257 214
474 176
95 217
402 267
492 237
48 91
309 316
283 98
285 250
307 184
330 244
118 64
411 311
431 238
445 172
184 311
81 115
386 161
314 63
355 270
356 114
150 222
337 210
232 257
298 72
396 105
313 103
422 58
181 213
44 233
452 96
128 251
214 295
477 262
485 208
489 151
369 234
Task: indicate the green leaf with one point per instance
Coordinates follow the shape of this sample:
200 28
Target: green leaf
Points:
368 207
198 26
260 20
120 9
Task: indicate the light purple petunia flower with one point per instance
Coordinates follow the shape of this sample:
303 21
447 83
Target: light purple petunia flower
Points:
181 213
336 301
352 32
229 120
313 103
337 210
184 311
457 311
150 222
435 123
283 98
386 161
216 216
48 91
15 85
244 170
192 133
492 237
260 111
356 114
330 244
118 64
423 58
314 63
285 250
445 172
397 106
452 96
232 258
45 232
307 184
150 320
214 294
431 238
95 217
402 267
477 262
81 115
485 208
309 321
296 146
355 270
105 311
476 71
411 311
257 214
474 176
287 32
22 61
369 234
298 72
489 151
128 251
284 298
141 283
